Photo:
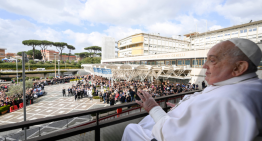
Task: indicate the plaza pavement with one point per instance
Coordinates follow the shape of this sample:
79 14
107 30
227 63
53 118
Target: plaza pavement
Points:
51 104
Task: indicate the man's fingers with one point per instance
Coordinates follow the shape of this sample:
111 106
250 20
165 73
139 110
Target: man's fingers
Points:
141 97
171 104
146 94
139 103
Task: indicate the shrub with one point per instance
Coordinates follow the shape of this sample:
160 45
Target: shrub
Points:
40 62
96 97
31 61
37 78
50 77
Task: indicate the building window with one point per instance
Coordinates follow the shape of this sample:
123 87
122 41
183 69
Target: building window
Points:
167 63
245 30
143 62
241 31
174 62
187 62
254 29
250 30
160 63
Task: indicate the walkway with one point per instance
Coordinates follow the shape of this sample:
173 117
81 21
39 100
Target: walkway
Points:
53 103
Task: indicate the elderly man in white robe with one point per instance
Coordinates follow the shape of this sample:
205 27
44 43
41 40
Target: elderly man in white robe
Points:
230 109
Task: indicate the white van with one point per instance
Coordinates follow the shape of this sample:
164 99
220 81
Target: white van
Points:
40 69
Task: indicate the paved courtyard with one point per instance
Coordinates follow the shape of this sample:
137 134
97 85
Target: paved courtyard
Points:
52 104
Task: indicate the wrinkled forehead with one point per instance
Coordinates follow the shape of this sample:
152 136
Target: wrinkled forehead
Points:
219 49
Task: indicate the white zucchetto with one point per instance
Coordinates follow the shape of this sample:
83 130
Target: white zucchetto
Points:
249 48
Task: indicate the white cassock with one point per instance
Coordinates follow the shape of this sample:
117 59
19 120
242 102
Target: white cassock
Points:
229 111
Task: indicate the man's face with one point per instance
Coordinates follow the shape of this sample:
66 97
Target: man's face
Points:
218 65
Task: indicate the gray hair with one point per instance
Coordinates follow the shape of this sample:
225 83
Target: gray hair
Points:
237 55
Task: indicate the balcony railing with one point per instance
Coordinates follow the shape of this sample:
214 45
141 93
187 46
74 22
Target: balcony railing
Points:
95 125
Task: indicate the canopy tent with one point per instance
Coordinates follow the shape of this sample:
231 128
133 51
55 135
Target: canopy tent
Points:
129 72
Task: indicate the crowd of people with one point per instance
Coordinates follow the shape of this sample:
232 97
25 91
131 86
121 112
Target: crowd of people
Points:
123 91
31 93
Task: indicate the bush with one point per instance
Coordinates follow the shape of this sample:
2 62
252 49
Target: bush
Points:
68 62
50 77
37 78
40 62
96 97
31 61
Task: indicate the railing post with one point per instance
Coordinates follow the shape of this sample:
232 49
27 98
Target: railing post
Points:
97 129
165 105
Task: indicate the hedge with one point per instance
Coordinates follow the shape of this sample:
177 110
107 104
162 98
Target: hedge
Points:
12 66
96 97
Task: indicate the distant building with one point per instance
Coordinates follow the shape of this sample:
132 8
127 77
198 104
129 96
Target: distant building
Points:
2 53
65 58
9 55
49 55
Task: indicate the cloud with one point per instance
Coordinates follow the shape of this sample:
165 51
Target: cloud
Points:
46 11
145 12
240 11
13 32
48 34
215 27
82 40
187 24
119 32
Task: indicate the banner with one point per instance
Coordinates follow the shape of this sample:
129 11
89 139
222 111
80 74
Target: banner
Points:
99 70
95 70
106 71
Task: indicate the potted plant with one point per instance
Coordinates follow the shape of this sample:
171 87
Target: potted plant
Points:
4 109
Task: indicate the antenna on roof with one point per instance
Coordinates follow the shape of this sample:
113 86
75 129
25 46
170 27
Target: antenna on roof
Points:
250 21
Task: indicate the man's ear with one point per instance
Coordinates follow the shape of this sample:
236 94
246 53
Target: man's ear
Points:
240 68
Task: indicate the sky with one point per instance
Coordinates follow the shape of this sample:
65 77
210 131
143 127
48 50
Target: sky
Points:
82 23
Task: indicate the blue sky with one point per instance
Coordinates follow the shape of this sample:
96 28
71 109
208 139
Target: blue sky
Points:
82 23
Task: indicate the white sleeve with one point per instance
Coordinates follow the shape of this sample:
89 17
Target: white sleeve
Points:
216 120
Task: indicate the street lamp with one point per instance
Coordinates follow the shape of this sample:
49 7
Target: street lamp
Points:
58 67
16 71
55 64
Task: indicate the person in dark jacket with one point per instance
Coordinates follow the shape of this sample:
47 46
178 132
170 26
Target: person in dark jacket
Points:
128 98
112 100
123 99
64 92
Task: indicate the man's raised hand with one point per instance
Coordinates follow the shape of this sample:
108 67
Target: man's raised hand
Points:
147 101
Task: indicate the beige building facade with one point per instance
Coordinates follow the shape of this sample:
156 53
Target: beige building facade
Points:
153 49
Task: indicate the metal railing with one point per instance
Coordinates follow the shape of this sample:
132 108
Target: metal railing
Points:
96 126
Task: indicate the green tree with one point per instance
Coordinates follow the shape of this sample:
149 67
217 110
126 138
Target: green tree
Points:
15 89
70 47
37 53
20 53
94 49
60 47
29 84
43 45
32 43
91 60
84 54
